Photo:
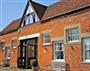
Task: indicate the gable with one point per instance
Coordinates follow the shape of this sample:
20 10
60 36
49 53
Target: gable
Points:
30 16
33 13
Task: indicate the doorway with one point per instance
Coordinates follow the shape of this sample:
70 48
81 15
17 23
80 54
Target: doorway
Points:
27 52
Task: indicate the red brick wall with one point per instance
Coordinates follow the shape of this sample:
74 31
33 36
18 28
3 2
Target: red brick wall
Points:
13 52
73 53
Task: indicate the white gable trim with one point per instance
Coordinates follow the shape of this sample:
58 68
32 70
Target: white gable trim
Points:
29 36
29 9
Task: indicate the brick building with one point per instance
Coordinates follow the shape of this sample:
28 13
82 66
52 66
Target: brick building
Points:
57 35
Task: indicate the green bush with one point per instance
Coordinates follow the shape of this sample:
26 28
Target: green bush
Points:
33 62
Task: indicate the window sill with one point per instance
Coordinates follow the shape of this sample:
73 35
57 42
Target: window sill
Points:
59 60
86 61
3 48
74 41
8 58
44 44
14 47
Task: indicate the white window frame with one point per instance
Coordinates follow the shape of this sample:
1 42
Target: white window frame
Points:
44 38
54 59
72 37
84 50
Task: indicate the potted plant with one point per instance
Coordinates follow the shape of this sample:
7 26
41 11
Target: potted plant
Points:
33 63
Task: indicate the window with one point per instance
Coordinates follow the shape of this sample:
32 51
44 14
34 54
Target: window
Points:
31 42
86 49
29 19
46 38
3 45
58 50
7 53
72 34
14 43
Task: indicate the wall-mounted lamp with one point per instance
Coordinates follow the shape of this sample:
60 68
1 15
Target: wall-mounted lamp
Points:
45 50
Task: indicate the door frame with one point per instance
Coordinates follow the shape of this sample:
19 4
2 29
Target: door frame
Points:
26 52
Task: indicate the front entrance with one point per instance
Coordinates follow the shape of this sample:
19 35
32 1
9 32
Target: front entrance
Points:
27 51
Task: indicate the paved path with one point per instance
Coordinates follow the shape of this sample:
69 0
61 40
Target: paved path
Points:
13 69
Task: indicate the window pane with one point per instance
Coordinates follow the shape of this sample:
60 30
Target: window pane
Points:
3 45
72 34
58 50
14 43
7 53
23 52
87 54
46 38
86 48
59 55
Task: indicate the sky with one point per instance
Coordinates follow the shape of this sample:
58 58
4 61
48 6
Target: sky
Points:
13 9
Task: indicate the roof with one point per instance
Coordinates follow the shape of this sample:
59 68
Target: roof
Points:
39 9
45 13
63 7
11 27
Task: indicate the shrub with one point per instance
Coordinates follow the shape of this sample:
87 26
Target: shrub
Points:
33 62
